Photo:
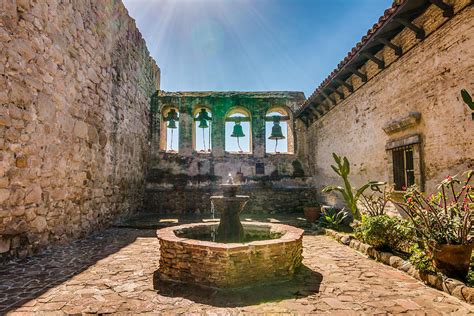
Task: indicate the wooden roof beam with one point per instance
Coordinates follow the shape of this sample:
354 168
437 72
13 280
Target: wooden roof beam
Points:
345 84
376 60
419 32
448 10
358 74
328 97
339 93
397 49
304 119
316 113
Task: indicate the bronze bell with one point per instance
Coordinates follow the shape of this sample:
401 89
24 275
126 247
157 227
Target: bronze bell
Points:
203 124
171 124
237 131
203 115
276 131
172 117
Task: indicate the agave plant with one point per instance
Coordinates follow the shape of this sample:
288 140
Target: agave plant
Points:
350 194
468 100
333 218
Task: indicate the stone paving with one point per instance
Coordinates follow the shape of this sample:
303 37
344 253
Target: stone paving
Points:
115 272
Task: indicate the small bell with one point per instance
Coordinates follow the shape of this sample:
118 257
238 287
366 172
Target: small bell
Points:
172 117
237 131
171 124
203 115
203 123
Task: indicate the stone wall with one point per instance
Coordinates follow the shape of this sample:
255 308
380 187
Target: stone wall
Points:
75 85
425 82
182 182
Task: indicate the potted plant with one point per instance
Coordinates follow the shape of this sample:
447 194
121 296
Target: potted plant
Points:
444 223
351 195
312 213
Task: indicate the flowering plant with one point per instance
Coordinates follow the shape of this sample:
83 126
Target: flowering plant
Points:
445 217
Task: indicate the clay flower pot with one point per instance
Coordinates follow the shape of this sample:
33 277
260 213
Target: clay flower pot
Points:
312 213
452 260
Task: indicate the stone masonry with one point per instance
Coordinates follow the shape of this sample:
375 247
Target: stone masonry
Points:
415 97
75 85
230 265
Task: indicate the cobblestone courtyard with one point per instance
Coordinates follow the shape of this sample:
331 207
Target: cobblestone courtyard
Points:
115 272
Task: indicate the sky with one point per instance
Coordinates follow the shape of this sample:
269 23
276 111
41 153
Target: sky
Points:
250 45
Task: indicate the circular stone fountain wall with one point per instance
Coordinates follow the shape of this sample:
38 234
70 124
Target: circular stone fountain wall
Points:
229 265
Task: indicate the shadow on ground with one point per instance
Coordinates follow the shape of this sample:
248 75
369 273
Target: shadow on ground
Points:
306 282
27 279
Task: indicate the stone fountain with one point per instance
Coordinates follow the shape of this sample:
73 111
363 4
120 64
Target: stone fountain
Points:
229 205
228 254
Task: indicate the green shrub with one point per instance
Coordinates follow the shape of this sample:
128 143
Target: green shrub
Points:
385 232
420 259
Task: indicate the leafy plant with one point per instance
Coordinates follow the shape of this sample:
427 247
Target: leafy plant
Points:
333 218
445 217
351 195
421 259
376 203
467 99
383 231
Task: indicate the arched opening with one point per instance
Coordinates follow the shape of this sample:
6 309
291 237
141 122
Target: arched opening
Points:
202 141
238 131
169 140
278 131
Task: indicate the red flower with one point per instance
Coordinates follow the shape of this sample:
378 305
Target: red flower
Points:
409 200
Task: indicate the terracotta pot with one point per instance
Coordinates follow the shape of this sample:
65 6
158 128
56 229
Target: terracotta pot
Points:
312 213
452 260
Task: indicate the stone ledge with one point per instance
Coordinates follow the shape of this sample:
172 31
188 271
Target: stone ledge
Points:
400 124
439 281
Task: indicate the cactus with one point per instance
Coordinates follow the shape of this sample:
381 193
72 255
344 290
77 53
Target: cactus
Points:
467 99
343 169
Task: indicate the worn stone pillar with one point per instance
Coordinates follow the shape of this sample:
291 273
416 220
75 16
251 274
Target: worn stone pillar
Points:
258 135
185 131
218 136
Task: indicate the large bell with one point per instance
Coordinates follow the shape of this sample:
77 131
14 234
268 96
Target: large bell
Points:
276 131
237 131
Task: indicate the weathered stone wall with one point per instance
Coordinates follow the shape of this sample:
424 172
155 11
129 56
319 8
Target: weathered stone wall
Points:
183 182
75 85
427 79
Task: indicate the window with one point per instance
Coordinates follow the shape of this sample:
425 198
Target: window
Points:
238 131
202 130
278 135
169 140
403 167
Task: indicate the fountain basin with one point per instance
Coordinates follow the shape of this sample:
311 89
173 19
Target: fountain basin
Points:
229 265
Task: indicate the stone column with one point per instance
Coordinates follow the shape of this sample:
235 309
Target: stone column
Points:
218 135
258 135
185 131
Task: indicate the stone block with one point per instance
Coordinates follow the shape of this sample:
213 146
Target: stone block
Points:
34 195
4 244
21 162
